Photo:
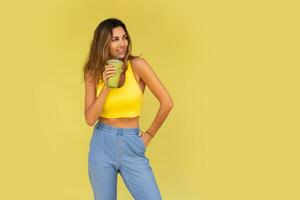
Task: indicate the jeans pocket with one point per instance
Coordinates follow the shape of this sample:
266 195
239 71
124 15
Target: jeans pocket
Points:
141 141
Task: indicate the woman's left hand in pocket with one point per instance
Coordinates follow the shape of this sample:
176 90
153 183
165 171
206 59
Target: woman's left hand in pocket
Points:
146 138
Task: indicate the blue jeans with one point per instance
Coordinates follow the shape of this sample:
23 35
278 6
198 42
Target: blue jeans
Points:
116 150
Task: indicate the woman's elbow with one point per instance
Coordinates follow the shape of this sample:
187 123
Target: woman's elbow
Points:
90 124
89 121
168 104
171 105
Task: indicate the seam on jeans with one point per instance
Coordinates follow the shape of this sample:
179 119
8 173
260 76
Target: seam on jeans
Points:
133 192
91 176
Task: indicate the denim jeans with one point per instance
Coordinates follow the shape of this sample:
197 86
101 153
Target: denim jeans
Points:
116 150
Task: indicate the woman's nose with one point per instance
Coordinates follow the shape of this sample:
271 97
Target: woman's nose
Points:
121 43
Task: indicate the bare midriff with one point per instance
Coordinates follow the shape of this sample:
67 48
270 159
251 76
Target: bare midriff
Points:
132 122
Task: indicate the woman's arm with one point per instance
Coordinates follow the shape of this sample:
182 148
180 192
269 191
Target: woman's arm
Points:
93 104
157 88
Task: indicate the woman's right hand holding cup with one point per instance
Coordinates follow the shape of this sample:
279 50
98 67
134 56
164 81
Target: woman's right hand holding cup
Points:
109 71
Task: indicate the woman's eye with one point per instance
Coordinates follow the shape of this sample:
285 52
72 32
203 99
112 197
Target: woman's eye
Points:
116 39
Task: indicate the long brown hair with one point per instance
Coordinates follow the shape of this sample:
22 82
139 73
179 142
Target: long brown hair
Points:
99 49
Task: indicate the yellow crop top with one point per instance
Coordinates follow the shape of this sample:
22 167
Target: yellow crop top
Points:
125 101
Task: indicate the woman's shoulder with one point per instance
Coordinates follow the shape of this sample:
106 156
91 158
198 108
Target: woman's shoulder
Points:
140 66
138 62
91 79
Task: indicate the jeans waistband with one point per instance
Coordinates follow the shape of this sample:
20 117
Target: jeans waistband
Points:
117 130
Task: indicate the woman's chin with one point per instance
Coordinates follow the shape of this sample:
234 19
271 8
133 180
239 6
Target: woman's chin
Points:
121 56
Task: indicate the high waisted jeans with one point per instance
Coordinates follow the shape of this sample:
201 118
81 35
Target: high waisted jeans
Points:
116 150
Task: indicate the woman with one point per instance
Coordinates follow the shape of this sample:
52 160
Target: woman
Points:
118 145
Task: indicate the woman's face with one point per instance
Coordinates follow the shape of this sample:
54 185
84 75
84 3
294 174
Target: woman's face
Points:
118 44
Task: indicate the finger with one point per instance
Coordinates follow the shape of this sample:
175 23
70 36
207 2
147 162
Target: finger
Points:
109 66
108 76
106 72
106 66
110 73
110 70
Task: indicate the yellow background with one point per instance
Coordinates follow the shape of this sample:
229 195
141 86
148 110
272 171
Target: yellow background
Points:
232 68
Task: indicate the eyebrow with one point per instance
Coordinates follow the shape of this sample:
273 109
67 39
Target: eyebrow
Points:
117 36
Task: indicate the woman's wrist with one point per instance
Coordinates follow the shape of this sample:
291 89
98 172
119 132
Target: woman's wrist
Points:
149 134
106 89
